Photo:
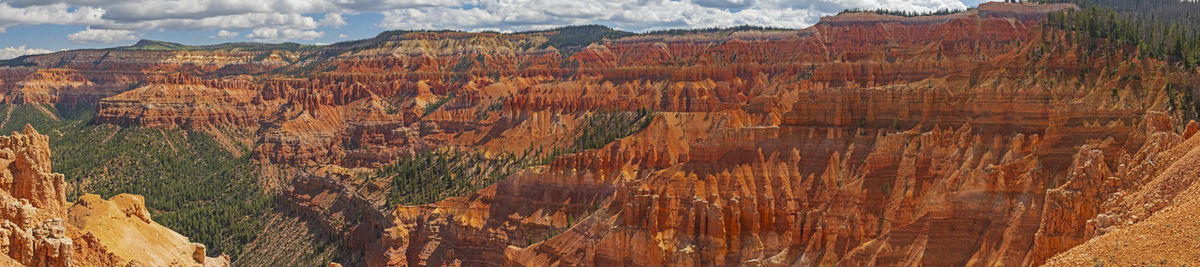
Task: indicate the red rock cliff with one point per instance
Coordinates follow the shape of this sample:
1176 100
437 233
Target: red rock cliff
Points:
950 140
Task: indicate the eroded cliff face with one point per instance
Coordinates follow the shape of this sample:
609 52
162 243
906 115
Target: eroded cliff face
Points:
48 86
34 201
992 155
1143 202
39 228
968 139
185 101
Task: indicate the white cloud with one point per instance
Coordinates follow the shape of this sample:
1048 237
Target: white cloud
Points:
732 4
239 21
307 19
223 34
196 14
332 20
138 10
638 15
48 14
273 34
12 52
634 15
90 35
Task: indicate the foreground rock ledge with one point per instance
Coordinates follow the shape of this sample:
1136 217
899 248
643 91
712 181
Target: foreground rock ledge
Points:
96 232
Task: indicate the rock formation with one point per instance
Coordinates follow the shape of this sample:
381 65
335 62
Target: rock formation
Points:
123 226
46 86
977 138
183 100
96 232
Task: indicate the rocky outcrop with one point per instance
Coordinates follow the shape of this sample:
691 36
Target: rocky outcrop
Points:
123 226
343 210
979 167
180 100
1142 210
977 138
407 74
96 232
27 176
32 231
48 86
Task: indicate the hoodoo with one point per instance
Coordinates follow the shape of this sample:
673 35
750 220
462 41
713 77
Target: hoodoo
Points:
1015 134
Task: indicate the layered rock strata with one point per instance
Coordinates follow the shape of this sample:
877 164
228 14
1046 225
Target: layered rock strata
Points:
968 139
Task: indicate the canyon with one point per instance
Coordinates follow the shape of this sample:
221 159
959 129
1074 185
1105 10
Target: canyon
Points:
975 138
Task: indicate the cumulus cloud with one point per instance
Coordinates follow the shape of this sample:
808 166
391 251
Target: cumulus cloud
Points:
192 14
57 13
223 34
733 4
638 15
12 52
308 19
634 15
239 21
332 20
90 35
273 34
140 10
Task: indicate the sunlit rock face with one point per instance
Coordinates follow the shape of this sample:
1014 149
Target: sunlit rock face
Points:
39 228
966 139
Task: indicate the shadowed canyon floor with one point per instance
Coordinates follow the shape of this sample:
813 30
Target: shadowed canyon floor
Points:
975 138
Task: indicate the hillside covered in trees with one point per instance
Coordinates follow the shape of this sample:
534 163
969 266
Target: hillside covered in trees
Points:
1166 29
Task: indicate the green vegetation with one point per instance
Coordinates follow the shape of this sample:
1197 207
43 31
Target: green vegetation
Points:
463 67
602 128
1179 99
903 13
381 39
438 174
435 175
190 183
465 63
17 62
243 46
576 36
1163 29
552 231
157 45
437 104
485 113
394 102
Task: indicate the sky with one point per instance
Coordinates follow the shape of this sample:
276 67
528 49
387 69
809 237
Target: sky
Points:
41 26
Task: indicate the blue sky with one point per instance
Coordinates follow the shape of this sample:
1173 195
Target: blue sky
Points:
39 26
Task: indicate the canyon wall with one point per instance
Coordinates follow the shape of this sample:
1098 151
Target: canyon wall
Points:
967 139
